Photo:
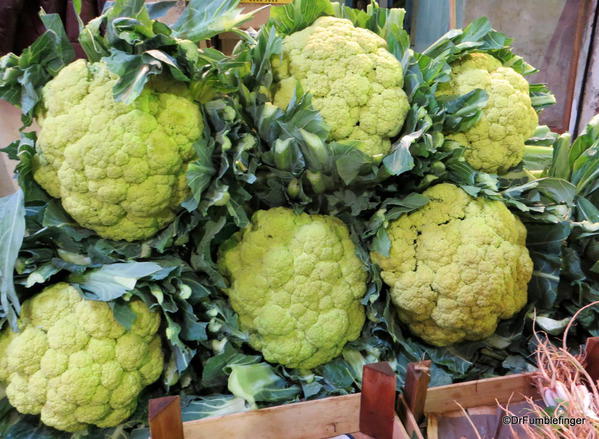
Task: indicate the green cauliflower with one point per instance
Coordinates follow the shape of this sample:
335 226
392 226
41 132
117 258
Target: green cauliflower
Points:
496 142
74 364
456 266
355 82
119 169
296 284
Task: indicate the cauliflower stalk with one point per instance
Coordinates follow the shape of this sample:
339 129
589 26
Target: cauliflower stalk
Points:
355 82
496 142
118 169
296 284
74 364
456 266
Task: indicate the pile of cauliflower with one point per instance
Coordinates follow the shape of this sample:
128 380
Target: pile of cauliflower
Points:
295 276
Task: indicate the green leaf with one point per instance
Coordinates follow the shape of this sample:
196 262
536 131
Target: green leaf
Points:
30 427
259 382
545 242
12 231
91 40
123 313
552 326
113 280
400 159
214 372
200 172
203 19
463 112
22 77
213 405
160 8
134 71
298 15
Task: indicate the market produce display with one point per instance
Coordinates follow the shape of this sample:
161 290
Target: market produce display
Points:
250 229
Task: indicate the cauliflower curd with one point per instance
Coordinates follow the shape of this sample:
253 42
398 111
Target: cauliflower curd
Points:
456 266
496 142
355 82
74 364
119 169
296 283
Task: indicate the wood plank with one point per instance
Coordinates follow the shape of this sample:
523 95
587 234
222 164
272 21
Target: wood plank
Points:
432 426
415 389
164 416
377 405
591 361
399 432
409 421
586 95
316 419
478 393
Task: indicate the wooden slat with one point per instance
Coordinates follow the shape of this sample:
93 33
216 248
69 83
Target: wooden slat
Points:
432 426
589 99
416 388
164 417
399 432
377 406
452 14
478 393
409 421
317 419
591 361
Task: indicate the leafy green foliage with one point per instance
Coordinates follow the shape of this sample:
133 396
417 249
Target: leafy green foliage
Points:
12 231
22 77
254 156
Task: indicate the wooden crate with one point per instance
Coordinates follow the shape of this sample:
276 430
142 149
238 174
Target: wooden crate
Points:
369 414
443 407
377 412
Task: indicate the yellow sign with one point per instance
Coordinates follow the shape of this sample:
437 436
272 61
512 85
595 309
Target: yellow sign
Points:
265 2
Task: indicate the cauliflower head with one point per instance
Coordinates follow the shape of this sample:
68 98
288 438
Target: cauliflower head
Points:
119 169
355 82
496 142
296 284
74 364
456 266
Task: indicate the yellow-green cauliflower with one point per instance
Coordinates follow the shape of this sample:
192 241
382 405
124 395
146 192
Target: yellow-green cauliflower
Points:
74 364
456 266
356 83
296 284
119 169
496 142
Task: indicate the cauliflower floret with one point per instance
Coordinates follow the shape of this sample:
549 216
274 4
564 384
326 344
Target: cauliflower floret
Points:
496 142
456 266
118 169
74 364
296 284
355 82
